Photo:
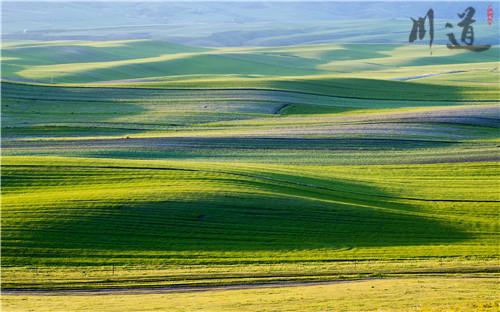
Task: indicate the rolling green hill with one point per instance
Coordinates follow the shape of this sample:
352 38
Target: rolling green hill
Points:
156 61
145 163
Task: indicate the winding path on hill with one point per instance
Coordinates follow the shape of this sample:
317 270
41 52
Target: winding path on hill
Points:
406 78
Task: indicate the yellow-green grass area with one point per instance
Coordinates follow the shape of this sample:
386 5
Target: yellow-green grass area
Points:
179 276
90 223
162 63
408 294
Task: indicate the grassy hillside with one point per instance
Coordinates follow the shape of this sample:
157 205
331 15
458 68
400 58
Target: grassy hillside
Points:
83 212
147 163
157 63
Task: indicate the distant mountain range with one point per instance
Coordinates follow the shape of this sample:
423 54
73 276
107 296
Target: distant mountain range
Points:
235 23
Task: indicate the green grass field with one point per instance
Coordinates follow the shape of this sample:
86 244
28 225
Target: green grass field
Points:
146 164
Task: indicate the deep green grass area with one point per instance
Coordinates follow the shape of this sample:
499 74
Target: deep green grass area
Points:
63 213
344 87
145 108
248 207
249 125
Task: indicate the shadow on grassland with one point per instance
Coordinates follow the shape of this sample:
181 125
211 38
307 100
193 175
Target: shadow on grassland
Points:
274 213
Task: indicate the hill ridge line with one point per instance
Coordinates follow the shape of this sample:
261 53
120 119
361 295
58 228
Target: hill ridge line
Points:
251 89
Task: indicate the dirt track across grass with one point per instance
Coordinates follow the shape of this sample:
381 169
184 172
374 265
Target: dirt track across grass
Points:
162 290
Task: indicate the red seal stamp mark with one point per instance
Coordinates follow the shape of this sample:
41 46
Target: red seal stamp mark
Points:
490 15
